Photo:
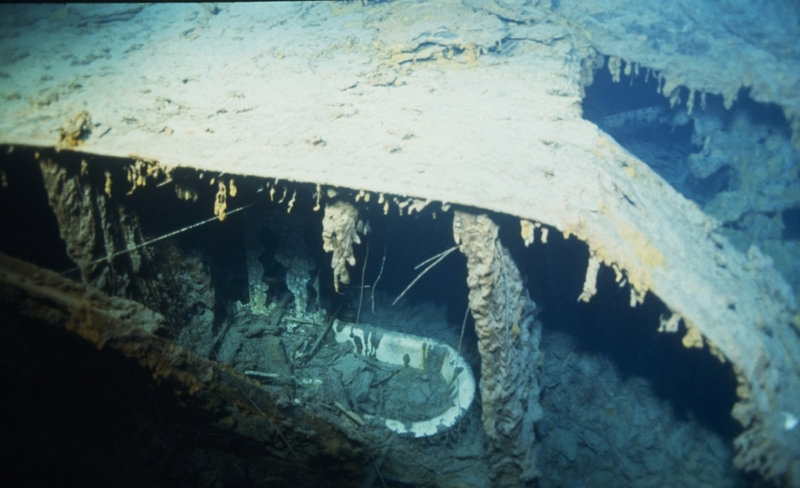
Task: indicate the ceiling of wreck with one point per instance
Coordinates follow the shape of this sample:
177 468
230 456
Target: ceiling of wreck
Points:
468 102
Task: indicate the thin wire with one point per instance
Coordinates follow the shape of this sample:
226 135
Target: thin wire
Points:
106 258
378 278
463 326
434 257
456 375
441 255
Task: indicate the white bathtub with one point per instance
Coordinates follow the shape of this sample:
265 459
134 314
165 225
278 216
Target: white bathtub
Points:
412 351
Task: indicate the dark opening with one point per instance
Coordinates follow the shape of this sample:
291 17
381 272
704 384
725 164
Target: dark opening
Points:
791 222
694 382
30 229
642 121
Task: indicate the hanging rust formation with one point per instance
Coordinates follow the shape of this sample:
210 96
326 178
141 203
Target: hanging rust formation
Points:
508 342
340 228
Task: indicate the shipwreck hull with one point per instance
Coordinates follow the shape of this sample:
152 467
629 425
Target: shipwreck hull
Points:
407 108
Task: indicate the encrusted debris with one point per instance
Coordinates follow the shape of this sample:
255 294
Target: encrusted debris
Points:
339 232
508 342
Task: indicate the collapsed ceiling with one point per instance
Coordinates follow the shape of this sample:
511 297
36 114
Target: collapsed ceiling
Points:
477 104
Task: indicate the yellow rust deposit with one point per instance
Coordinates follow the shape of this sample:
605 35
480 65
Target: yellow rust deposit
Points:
74 130
340 227
526 231
221 201
186 193
648 254
714 350
693 337
317 195
637 277
140 170
590 282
